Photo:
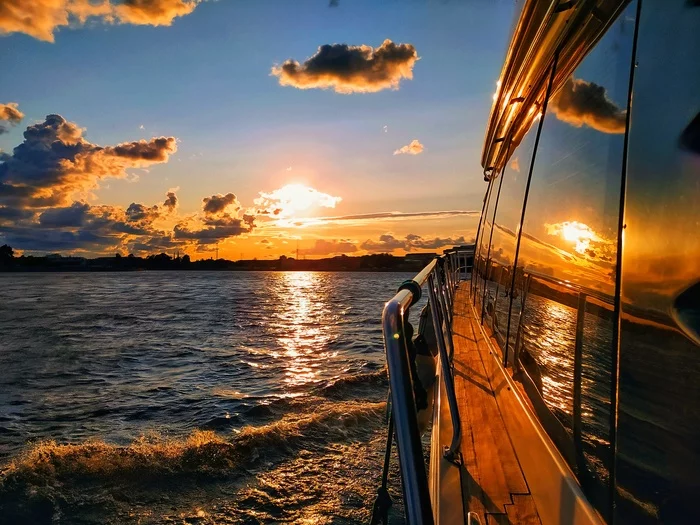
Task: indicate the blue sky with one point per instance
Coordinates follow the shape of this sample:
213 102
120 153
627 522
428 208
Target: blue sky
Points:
206 80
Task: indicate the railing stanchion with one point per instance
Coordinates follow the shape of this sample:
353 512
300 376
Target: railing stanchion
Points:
451 451
441 277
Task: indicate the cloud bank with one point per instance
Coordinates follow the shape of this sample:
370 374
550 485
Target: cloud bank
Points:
41 18
330 247
55 162
580 102
389 243
412 148
351 69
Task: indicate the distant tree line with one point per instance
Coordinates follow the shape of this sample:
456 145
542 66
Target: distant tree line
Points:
163 261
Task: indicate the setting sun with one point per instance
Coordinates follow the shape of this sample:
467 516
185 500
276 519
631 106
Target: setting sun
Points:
287 200
578 233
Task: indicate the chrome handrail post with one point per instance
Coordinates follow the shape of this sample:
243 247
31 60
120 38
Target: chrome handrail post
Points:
408 442
444 309
445 274
445 299
451 451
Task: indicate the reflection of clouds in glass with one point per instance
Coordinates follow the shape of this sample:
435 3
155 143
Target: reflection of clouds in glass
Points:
515 164
586 241
580 102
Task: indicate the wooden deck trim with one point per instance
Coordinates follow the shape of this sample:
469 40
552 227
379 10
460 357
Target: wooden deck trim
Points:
493 482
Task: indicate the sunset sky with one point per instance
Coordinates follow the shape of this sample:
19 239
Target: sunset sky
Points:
156 125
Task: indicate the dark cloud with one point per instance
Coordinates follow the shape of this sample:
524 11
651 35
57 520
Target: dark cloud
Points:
389 243
171 201
210 235
332 247
219 221
81 226
9 113
14 214
138 212
351 69
386 243
218 203
41 19
55 161
580 102
64 217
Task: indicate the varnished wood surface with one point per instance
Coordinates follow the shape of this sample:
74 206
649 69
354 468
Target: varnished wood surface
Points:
493 483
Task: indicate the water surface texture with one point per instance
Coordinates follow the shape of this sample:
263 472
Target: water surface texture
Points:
170 397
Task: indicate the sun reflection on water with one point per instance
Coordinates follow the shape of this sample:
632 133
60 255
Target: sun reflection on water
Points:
304 309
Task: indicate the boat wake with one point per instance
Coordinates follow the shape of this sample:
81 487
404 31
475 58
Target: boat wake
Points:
330 438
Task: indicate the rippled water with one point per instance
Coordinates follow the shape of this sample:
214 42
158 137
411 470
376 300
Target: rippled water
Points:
153 397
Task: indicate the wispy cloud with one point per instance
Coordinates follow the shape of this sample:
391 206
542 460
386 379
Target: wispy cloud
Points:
412 148
368 218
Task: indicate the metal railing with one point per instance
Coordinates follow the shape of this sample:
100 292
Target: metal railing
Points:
442 276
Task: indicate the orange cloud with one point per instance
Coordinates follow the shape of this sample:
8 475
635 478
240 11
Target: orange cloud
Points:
9 113
41 18
412 148
55 161
351 69
153 12
580 102
515 164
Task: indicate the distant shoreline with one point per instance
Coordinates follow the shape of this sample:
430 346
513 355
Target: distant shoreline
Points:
162 262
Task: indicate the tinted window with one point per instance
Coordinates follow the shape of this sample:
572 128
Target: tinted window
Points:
506 226
659 393
568 255
483 243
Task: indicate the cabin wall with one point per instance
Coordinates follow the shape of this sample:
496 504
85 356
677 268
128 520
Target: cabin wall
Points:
658 444
586 263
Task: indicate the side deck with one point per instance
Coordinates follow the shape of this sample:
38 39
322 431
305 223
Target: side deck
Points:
493 482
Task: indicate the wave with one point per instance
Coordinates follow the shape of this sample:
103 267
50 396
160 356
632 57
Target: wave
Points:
200 453
344 385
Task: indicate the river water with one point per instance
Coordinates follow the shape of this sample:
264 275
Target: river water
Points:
171 397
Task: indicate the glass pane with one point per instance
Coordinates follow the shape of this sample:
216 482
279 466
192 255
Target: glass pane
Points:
546 353
659 394
487 296
596 363
483 245
504 238
568 252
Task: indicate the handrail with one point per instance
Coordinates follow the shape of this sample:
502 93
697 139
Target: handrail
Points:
441 288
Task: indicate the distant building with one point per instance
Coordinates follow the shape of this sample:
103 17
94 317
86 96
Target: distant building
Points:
423 258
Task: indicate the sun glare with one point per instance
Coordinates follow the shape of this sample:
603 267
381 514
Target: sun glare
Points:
578 233
286 201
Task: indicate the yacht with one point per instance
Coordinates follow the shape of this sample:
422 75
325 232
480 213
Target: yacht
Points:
566 339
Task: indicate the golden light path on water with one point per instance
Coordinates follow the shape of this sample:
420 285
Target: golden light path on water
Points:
555 353
304 308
